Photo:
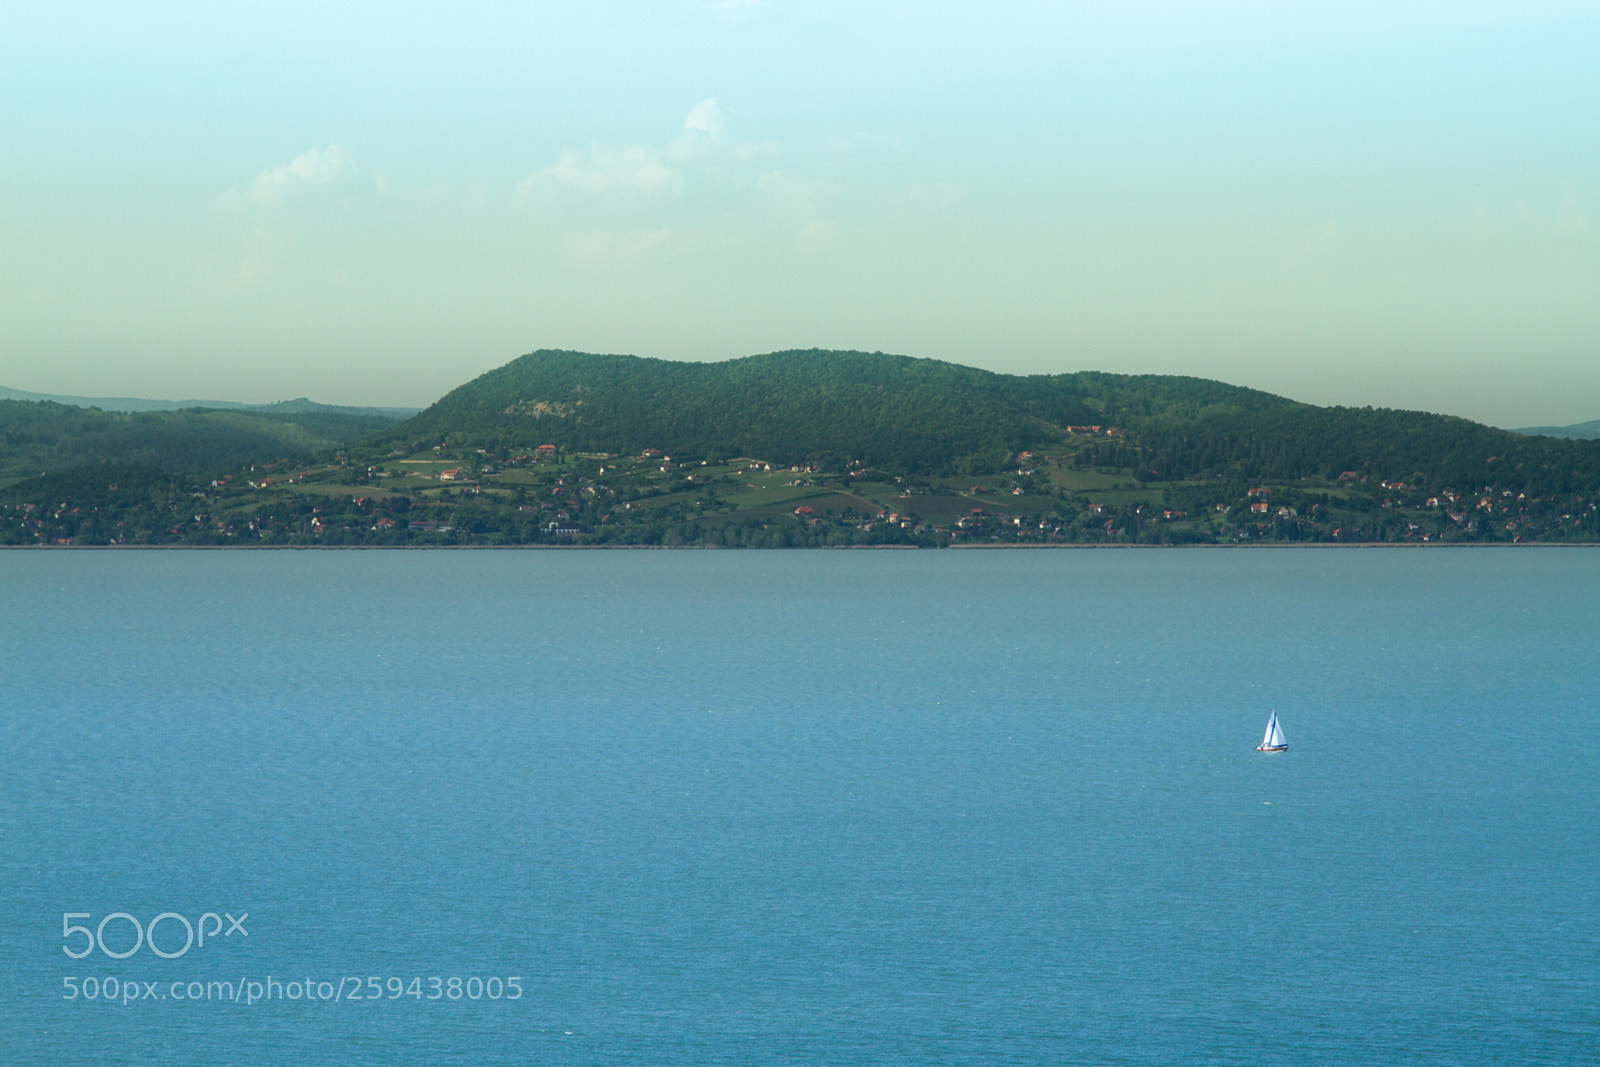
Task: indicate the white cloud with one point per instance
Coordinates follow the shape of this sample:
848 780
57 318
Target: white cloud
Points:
706 117
316 167
636 168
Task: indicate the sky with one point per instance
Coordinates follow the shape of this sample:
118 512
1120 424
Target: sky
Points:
1342 202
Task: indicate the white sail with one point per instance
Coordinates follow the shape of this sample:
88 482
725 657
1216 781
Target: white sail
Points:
1274 735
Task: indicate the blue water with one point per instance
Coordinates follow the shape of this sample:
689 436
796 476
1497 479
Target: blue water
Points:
827 807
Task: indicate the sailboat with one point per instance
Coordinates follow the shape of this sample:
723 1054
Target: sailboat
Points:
1273 740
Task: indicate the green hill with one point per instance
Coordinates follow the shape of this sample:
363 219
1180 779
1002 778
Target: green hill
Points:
37 437
802 449
923 416
891 411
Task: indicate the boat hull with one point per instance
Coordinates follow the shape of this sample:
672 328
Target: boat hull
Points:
1272 748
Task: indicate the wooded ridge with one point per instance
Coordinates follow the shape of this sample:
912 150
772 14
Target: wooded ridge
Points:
800 448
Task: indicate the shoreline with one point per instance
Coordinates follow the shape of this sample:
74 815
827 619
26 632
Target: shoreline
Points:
837 548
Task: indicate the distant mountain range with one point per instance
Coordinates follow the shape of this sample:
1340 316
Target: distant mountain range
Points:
300 406
1578 431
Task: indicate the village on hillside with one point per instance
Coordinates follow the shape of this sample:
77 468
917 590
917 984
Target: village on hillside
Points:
444 495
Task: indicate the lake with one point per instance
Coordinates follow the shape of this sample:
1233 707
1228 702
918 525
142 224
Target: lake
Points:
904 807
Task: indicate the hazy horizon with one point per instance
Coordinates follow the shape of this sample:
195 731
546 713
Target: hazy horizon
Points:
1339 203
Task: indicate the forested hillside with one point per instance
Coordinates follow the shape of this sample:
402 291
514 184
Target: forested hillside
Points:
920 416
893 411
793 449
42 436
